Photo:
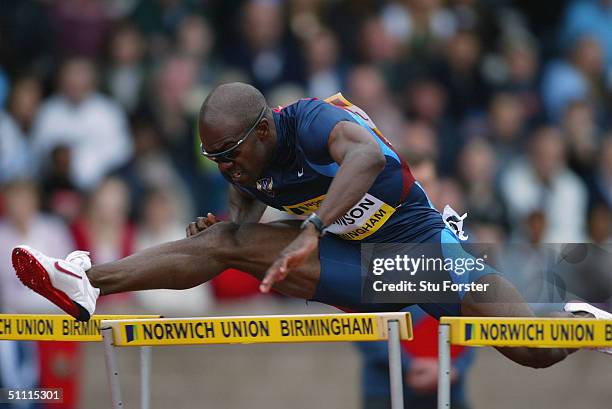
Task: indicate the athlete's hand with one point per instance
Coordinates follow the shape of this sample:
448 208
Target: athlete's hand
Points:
293 256
201 223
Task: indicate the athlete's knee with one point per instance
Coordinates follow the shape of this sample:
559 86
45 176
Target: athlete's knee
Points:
219 239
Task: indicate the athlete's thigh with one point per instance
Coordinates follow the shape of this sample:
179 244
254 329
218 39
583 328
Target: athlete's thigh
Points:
340 278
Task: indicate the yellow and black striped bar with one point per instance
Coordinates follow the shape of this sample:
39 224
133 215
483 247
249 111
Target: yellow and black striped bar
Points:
257 329
52 327
529 332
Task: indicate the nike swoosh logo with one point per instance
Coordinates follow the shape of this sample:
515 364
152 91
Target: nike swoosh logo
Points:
300 173
63 270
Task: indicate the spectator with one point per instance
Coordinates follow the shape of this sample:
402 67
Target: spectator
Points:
542 180
167 103
104 230
593 18
158 20
151 168
127 73
33 364
15 155
195 40
80 27
579 77
23 223
378 45
422 25
15 151
521 63
581 136
326 75
60 195
506 125
600 224
423 168
367 89
450 192
602 178
265 51
427 102
418 139
24 102
460 73
162 222
91 125
486 209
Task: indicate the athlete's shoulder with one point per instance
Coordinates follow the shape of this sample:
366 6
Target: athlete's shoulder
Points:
300 108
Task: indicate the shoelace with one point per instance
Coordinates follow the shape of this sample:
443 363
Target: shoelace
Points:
80 258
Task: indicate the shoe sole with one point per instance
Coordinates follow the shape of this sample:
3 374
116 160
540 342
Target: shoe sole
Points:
34 276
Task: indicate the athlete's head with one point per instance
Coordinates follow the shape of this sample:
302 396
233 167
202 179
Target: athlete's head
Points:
237 131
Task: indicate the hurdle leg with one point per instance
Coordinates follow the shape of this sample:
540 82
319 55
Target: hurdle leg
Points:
145 377
444 366
112 371
395 366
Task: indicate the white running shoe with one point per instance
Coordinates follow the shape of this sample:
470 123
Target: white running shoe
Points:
596 312
63 282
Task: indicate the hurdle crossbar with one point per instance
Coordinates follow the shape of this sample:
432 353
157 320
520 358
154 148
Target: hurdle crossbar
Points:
514 332
392 327
54 327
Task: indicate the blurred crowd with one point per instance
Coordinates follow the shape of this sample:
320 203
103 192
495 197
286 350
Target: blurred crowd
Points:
501 111
502 108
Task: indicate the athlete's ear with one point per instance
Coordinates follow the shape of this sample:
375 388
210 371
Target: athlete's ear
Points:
263 129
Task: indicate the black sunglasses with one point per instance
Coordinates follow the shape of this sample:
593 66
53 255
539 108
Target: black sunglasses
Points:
230 154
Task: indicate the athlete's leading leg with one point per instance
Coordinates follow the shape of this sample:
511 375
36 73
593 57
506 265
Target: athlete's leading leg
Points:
74 285
186 263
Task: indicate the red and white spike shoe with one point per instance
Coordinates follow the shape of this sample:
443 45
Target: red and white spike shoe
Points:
63 282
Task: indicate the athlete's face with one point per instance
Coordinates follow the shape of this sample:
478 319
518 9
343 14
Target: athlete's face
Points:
240 154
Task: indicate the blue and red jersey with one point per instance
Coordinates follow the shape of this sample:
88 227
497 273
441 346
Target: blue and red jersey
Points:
395 208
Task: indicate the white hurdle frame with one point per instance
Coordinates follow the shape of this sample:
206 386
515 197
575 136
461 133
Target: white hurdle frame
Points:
444 366
396 378
57 321
113 375
112 372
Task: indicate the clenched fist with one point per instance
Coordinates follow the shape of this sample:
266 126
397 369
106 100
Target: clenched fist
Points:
200 224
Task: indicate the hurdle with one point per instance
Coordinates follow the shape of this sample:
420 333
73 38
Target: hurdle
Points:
392 327
514 332
54 327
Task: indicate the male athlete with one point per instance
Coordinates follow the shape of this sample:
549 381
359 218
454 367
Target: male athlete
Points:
324 159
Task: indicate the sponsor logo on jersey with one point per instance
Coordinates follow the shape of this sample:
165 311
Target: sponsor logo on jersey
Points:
266 186
361 221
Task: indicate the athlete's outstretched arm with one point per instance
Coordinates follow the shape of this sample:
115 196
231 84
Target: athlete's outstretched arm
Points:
505 301
361 161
